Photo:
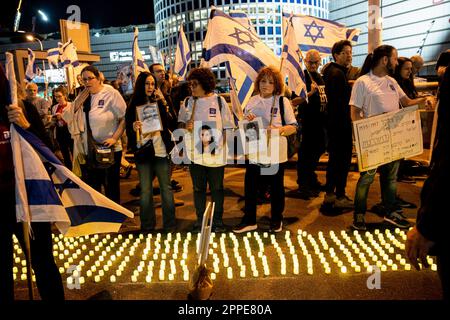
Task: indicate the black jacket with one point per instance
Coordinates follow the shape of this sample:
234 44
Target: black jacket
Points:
130 118
433 217
338 93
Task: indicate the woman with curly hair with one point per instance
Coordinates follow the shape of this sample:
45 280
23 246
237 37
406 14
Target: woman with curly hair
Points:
204 106
279 121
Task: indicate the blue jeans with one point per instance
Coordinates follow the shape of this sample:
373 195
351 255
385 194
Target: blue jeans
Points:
388 185
147 170
201 176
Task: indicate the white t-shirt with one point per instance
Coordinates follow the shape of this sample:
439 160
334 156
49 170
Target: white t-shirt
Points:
277 148
208 109
376 95
158 144
107 108
207 112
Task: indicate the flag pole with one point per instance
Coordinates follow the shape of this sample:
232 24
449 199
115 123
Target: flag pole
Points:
11 75
26 238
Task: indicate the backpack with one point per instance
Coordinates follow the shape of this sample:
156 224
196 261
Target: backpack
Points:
292 140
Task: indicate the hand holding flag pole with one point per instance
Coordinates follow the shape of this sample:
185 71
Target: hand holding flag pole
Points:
11 76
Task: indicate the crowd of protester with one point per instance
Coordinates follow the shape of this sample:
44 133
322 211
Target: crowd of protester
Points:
337 95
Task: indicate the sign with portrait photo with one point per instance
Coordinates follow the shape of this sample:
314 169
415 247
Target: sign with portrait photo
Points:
149 115
253 136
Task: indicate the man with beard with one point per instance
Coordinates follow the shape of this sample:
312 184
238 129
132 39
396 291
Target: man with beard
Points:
374 93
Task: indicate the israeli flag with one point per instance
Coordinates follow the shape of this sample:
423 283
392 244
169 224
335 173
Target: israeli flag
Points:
241 85
46 191
32 69
138 61
182 55
292 63
319 34
228 40
69 55
53 56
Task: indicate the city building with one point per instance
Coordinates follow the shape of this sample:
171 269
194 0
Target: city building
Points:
193 14
411 26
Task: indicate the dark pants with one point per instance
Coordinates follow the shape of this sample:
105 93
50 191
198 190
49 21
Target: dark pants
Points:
156 167
312 146
48 278
388 186
339 158
201 177
65 143
108 178
253 178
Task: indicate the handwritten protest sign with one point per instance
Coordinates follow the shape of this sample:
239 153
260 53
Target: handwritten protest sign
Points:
388 137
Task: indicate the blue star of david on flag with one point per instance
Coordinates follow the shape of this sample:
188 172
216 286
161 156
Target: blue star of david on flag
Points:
319 29
237 35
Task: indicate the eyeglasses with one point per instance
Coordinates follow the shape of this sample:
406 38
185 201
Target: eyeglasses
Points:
193 83
313 62
88 79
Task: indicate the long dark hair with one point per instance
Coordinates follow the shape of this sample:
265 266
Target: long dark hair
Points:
374 58
212 143
139 96
406 84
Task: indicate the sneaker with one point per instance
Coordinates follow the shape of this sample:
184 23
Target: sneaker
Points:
378 209
177 188
359 222
276 226
244 227
405 204
344 203
397 220
329 199
306 193
219 227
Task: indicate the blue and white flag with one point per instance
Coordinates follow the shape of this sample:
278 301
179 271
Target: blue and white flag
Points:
32 69
54 56
292 63
138 61
46 191
241 85
228 40
182 55
69 55
319 34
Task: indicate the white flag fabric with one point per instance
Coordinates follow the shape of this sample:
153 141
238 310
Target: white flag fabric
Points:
182 55
319 34
53 56
69 55
32 69
47 191
138 61
11 76
241 85
154 54
228 40
292 64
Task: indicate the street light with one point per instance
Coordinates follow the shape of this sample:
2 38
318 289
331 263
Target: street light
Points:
43 15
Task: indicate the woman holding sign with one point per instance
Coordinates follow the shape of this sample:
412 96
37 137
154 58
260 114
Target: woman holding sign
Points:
279 121
150 139
206 110
375 93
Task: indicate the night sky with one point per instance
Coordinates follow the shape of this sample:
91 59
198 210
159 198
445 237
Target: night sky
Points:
97 13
